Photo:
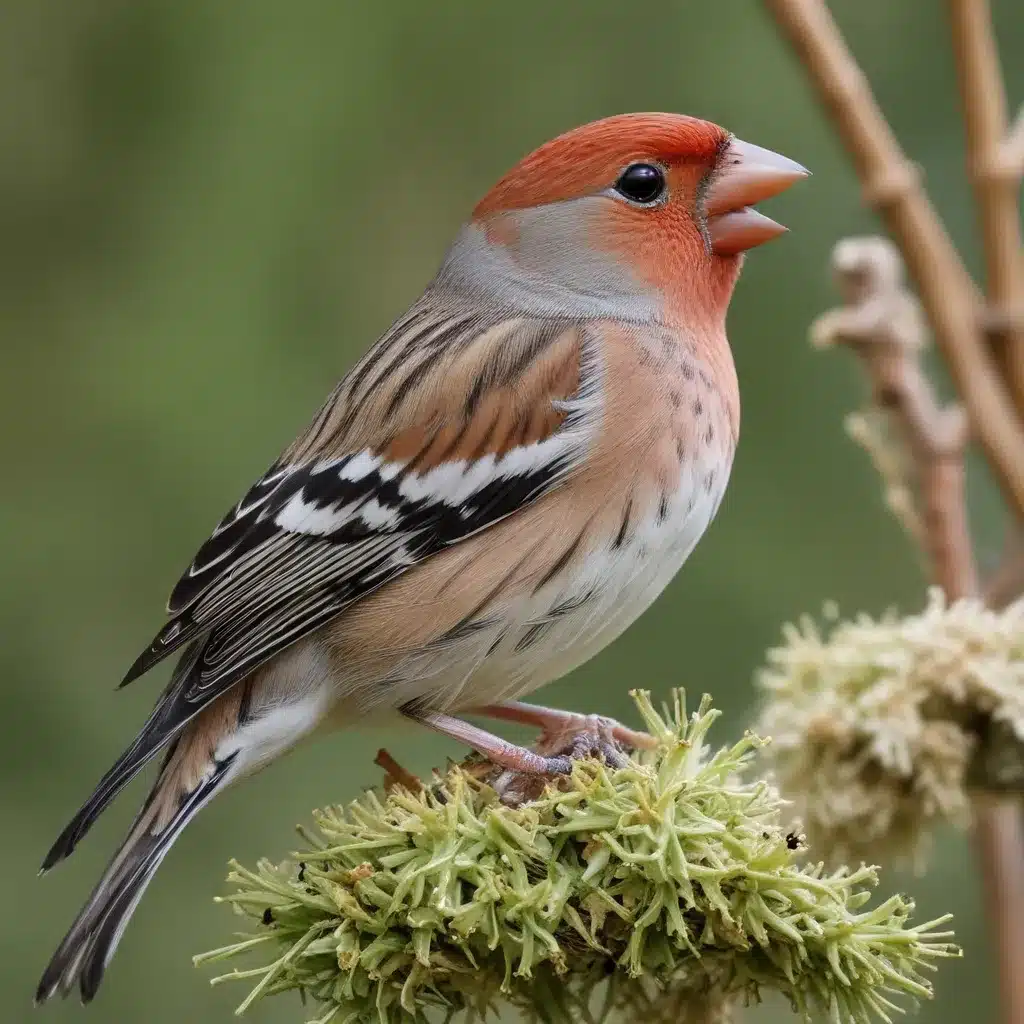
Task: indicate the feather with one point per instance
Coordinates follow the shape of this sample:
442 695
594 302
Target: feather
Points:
93 937
503 414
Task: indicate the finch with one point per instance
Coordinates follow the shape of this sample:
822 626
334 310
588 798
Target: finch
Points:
505 481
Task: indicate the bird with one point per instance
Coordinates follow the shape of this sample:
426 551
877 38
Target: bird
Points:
505 481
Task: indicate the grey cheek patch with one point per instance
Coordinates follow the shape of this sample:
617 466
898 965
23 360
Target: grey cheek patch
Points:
553 272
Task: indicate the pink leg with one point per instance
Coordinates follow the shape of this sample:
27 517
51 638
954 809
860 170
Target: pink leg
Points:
554 721
495 749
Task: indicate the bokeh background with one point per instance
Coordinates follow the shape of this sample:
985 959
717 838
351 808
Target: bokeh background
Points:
208 211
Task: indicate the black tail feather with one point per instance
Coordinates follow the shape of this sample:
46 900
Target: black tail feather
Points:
92 940
168 718
128 765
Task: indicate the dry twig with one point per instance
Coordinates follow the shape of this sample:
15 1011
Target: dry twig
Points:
998 843
996 182
892 186
881 322
395 774
994 404
1006 584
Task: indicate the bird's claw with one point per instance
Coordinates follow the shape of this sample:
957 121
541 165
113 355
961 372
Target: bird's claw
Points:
594 736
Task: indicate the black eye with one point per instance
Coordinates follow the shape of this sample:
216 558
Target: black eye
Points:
643 183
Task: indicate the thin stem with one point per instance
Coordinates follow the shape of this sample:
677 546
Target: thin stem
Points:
892 186
881 324
396 774
996 182
998 842
1006 584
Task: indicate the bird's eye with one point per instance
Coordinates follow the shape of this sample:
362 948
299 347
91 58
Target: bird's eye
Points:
641 183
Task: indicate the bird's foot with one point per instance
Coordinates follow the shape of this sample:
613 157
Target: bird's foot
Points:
555 723
520 774
583 737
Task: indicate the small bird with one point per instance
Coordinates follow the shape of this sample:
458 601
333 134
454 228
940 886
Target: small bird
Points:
505 481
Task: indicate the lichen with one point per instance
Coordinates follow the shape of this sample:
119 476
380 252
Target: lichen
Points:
668 888
881 728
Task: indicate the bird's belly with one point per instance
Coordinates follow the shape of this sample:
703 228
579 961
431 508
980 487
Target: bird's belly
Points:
516 649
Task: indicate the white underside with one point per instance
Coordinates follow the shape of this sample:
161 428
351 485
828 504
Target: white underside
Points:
614 587
291 697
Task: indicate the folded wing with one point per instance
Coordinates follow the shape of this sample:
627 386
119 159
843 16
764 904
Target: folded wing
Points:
450 424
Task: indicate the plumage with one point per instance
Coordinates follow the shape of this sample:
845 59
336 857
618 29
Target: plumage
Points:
501 485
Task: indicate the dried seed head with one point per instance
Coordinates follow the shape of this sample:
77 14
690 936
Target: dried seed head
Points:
879 727
668 889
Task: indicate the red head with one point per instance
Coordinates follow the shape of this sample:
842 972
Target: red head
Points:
640 215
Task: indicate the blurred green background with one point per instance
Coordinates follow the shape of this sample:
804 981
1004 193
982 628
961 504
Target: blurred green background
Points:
208 211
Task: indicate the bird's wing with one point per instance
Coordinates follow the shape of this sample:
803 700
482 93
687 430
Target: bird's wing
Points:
449 424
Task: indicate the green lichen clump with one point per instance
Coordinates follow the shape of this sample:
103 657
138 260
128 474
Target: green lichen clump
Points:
880 728
666 889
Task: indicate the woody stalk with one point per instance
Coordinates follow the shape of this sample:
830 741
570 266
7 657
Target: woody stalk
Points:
919 445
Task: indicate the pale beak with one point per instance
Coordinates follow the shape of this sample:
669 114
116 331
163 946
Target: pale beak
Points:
746 174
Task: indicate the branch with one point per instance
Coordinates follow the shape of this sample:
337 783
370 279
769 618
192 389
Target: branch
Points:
892 186
881 323
998 842
395 774
996 182
996 162
1006 584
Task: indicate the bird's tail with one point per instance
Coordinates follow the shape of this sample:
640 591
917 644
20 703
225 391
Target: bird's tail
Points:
90 943
170 716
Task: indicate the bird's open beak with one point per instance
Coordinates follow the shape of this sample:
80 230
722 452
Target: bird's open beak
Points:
746 174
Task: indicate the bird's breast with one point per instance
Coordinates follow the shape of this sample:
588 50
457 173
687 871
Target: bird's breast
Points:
539 593
568 594
656 478
605 590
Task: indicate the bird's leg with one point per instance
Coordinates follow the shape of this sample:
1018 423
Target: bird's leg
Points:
556 723
494 748
565 735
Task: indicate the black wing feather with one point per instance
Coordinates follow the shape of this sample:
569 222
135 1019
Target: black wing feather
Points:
302 544
334 569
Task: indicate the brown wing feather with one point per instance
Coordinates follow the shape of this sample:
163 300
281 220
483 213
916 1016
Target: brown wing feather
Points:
440 389
264 580
422 384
